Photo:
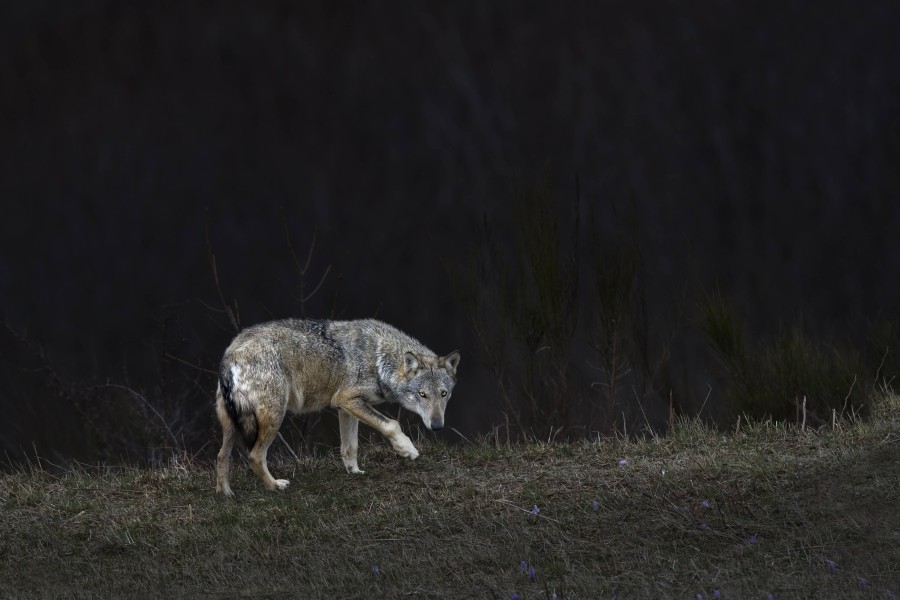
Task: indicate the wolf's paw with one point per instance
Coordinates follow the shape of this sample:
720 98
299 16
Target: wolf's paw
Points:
404 447
352 466
281 484
224 490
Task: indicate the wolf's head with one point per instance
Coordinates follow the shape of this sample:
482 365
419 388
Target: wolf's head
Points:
427 385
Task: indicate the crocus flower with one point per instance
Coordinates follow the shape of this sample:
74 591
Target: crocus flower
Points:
831 566
704 503
531 572
376 570
752 539
524 566
717 594
535 510
595 504
863 583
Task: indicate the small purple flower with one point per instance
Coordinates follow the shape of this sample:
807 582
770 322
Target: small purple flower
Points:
771 597
704 503
531 572
623 462
524 566
699 596
595 504
863 582
832 567
553 596
703 526
752 539
515 596
717 594
376 570
535 510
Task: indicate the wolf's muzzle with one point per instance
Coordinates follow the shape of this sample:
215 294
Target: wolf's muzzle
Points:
436 425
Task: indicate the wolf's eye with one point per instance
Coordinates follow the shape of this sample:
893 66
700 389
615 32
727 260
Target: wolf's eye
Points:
443 393
421 393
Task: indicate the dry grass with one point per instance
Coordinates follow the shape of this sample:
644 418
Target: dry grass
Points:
759 513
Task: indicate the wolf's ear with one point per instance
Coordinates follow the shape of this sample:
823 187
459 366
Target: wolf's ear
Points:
410 361
450 362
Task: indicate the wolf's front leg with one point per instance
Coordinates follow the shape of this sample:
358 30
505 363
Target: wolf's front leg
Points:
353 403
349 440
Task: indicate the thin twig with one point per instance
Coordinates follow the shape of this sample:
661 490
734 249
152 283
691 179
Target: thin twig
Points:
288 446
232 313
878 370
190 364
301 271
847 399
210 307
803 424
702 406
456 431
671 410
641 406
146 402
304 269
308 296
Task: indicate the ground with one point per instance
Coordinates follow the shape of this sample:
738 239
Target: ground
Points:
769 510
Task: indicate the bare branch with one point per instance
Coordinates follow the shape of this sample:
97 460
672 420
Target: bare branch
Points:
305 298
231 312
146 403
192 365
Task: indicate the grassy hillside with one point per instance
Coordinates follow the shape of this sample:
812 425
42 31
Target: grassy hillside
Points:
771 510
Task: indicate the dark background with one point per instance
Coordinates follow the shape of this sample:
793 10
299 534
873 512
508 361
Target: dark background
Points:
755 144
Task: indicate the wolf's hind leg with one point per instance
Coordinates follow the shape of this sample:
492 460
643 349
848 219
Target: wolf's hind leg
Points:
349 440
223 460
268 418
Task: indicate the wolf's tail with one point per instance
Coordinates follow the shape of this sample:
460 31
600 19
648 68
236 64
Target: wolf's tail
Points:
241 414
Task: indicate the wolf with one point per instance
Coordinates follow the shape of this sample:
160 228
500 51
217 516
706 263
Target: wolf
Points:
305 366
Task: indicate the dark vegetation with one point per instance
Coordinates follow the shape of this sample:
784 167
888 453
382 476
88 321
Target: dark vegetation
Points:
713 236
576 346
565 332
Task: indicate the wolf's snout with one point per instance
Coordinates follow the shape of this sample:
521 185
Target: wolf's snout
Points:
436 425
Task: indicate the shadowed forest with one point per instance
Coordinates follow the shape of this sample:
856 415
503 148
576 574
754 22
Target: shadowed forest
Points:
619 214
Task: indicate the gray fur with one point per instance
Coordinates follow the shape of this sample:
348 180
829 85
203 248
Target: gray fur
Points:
306 366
